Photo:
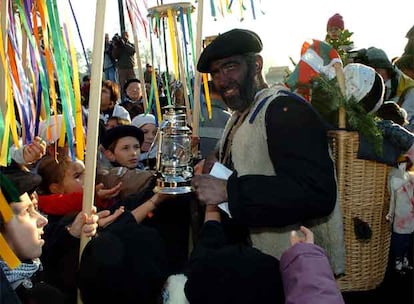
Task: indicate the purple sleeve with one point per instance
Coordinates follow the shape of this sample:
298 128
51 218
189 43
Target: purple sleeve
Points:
307 276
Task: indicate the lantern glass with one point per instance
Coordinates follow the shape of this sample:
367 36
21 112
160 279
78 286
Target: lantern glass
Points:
174 155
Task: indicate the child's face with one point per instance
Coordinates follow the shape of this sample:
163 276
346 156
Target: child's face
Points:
24 231
127 152
150 130
334 32
111 123
73 179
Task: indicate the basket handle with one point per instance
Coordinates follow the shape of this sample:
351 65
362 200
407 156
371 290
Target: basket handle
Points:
339 71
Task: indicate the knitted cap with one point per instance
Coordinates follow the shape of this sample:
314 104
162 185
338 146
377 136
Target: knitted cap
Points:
337 21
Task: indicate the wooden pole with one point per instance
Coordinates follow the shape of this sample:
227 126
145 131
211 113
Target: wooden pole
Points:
197 77
93 118
340 77
3 69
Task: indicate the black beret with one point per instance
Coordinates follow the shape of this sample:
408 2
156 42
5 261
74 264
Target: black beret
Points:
23 181
233 42
125 263
121 131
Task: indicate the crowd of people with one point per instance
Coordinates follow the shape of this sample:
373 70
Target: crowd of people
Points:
255 239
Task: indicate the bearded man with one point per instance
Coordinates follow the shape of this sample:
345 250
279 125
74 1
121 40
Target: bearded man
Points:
275 144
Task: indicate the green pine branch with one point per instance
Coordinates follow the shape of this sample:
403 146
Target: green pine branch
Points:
356 116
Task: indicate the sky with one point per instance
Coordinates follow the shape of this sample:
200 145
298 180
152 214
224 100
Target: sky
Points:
282 25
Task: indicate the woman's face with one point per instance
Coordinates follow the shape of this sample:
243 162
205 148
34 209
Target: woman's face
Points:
106 102
24 231
127 152
150 130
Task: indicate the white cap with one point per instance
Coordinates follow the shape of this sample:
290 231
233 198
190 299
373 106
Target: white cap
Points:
143 119
359 81
121 112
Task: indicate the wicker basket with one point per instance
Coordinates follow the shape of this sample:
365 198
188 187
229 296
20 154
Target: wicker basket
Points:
363 192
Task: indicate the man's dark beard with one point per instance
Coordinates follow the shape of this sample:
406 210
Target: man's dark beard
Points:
247 90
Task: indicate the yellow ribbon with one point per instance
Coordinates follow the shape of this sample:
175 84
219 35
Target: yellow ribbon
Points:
172 38
78 108
7 254
207 95
157 99
5 209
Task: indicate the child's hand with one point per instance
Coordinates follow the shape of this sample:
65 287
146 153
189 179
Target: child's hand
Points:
34 151
158 198
84 224
106 218
306 238
105 194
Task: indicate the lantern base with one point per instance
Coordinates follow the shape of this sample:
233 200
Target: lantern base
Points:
173 187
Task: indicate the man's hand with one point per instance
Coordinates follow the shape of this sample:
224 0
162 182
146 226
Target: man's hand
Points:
209 189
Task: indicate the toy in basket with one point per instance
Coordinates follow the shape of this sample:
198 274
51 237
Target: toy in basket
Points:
350 101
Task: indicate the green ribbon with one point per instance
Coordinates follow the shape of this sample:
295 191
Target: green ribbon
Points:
62 69
43 80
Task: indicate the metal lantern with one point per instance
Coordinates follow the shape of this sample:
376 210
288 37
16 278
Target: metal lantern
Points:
174 156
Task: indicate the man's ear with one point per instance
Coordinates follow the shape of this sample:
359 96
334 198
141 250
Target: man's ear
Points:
259 64
55 188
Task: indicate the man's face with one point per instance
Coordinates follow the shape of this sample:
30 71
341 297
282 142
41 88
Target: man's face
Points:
234 81
24 231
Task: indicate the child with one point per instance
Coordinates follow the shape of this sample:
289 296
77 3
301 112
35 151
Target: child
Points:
122 147
334 27
61 200
115 121
146 122
62 187
127 259
23 234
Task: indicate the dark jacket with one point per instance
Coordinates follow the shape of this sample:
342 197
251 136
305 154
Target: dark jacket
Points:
222 273
7 294
35 291
304 186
